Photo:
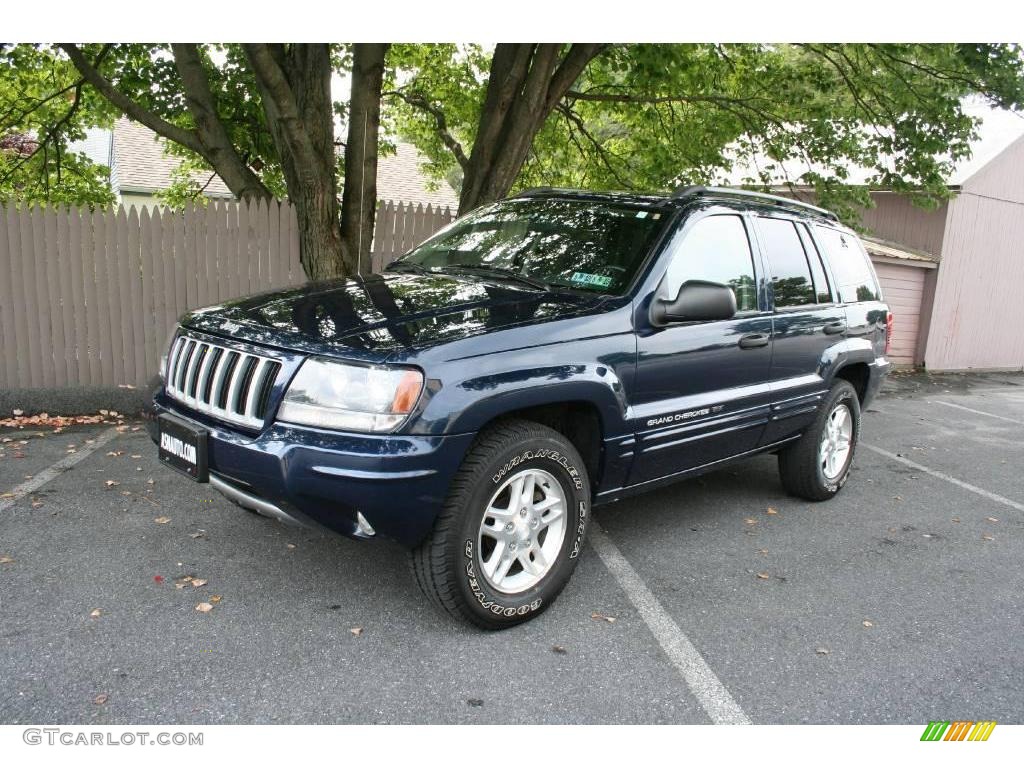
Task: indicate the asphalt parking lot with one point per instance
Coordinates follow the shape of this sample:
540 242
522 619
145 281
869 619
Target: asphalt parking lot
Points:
899 601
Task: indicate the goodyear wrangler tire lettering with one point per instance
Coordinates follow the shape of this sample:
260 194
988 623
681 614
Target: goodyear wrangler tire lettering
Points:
485 602
542 453
581 530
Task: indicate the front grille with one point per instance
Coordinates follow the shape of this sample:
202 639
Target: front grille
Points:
231 385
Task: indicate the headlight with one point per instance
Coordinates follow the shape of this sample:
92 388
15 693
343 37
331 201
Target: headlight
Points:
167 351
355 398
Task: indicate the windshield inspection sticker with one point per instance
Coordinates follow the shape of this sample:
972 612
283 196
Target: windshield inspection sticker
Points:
586 278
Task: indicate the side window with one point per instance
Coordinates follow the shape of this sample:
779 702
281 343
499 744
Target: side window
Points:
716 249
787 262
854 277
821 289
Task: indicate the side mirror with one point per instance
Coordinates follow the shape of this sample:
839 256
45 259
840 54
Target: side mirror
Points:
696 300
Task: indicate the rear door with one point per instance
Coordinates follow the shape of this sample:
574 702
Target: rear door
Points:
701 392
808 322
856 286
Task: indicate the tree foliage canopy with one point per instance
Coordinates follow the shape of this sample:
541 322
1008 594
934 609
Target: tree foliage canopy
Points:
636 116
652 116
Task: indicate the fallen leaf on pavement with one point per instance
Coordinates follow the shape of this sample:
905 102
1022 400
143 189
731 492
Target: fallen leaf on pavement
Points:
161 520
956 519
6 495
158 579
215 599
763 576
992 519
357 631
771 511
762 551
204 607
96 613
750 521
110 483
4 559
868 623
290 546
101 699
986 537
601 617
198 582
198 535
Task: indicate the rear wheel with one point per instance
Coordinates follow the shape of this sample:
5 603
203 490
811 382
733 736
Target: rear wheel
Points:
511 530
817 465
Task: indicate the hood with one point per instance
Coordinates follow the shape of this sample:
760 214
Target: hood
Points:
374 316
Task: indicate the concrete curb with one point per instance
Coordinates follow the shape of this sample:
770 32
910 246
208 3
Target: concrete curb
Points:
71 401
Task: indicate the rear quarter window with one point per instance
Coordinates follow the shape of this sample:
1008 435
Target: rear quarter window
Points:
851 269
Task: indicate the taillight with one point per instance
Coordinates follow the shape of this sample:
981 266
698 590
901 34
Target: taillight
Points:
888 332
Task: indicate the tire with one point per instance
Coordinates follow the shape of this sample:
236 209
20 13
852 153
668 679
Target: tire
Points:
804 470
455 565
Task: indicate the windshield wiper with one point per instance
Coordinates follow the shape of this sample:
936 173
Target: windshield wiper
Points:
406 266
505 272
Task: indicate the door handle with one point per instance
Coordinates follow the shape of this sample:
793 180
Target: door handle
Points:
754 340
833 328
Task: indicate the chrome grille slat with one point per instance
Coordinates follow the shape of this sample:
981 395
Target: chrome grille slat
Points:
195 366
255 387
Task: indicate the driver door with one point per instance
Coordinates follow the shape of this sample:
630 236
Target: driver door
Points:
702 390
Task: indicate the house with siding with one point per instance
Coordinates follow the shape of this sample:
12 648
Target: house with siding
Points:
140 167
954 275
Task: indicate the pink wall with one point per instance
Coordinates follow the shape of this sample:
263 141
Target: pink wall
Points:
897 219
976 313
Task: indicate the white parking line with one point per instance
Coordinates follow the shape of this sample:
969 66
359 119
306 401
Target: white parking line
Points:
702 682
980 413
42 478
948 478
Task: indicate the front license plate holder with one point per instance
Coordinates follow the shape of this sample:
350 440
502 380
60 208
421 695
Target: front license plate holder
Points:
183 447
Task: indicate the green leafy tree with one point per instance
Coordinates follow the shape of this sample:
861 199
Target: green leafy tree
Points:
651 116
258 115
595 115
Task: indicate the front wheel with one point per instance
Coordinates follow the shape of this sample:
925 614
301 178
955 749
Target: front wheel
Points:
511 530
817 465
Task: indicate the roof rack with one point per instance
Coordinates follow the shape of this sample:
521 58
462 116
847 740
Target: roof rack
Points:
695 191
533 191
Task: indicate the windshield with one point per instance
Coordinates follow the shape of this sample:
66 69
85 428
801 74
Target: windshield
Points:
567 243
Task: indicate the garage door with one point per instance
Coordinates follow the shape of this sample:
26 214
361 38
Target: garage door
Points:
902 289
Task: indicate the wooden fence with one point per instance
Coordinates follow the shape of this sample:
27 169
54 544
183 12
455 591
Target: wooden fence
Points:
399 228
89 298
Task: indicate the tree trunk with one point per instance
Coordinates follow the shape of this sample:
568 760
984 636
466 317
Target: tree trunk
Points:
359 201
295 88
527 80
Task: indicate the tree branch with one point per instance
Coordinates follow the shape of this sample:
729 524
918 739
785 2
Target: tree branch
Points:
50 136
221 153
422 103
572 66
274 88
135 111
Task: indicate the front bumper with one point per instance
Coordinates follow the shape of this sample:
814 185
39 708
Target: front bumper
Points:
397 482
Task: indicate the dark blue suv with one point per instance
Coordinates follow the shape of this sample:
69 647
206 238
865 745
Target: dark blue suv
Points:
550 352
